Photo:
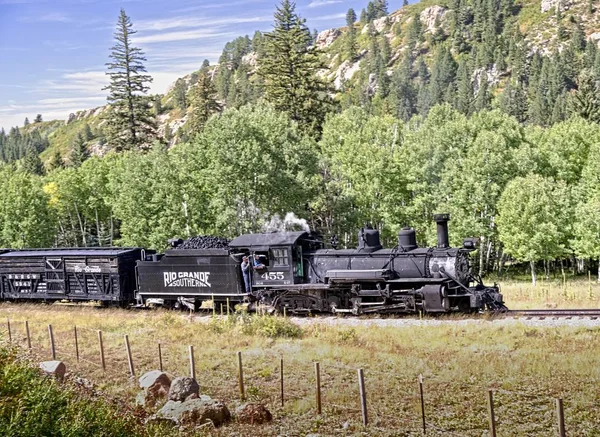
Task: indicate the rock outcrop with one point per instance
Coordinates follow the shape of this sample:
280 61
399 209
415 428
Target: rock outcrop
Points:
431 15
327 37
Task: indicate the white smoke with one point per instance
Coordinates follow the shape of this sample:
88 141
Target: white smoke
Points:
289 223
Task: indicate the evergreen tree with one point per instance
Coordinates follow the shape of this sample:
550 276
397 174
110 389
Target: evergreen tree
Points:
464 89
443 72
585 102
38 118
55 161
578 37
26 122
130 124
204 103
404 2
32 162
482 99
79 151
351 45
179 94
289 69
87 132
513 100
414 33
403 95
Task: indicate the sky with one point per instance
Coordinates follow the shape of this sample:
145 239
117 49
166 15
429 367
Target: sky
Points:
53 52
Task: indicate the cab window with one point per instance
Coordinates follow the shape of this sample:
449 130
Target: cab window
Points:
280 257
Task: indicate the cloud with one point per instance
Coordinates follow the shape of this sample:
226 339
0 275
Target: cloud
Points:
320 3
181 36
328 17
51 17
194 22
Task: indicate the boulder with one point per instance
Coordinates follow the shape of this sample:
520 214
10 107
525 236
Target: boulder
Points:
54 368
182 387
556 4
195 412
148 379
254 414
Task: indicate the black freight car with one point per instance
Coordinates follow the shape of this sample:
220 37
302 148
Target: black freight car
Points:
185 277
90 274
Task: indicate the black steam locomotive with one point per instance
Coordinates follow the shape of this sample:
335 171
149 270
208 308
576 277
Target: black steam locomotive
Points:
295 272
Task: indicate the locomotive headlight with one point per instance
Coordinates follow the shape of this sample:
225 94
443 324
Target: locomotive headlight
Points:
470 243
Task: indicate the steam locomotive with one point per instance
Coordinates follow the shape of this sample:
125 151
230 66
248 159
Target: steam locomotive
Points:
296 274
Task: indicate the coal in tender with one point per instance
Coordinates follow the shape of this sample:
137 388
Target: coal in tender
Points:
205 242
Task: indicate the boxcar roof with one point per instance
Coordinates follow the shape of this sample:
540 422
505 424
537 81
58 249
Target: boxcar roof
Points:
76 251
271 239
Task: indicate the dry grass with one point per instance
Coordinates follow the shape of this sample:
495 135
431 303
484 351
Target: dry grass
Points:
528 368
578 293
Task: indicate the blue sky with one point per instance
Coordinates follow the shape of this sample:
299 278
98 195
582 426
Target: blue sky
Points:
52 52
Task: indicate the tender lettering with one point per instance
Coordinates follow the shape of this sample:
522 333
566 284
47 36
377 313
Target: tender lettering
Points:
187 279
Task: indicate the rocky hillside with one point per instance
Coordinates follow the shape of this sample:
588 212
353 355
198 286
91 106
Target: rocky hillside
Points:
525 57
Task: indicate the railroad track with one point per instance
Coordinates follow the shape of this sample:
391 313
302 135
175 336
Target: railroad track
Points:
555 313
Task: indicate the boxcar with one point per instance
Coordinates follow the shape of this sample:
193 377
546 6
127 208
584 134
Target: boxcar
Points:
98 274
190 276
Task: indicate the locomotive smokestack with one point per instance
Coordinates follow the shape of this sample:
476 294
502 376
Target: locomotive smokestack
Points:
442 230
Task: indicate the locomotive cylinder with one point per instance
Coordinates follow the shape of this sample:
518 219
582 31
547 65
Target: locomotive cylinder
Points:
442 230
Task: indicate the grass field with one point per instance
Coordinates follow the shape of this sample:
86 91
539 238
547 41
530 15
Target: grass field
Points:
556 293
527 367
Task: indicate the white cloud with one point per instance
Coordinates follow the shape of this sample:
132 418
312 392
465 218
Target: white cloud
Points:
328 17
319 3
183 35
194 22
51 17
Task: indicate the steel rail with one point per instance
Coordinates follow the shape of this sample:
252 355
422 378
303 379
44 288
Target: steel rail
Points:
588 312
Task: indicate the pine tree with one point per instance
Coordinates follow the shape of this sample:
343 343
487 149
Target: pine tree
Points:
26 122
55 161
404 2
79 151
482 99
578 37
179 94
443 72
351 45
289 69
585 102
38 118
464 89
204 103
513 101
130 124
87 132
403 95
415 32
32 162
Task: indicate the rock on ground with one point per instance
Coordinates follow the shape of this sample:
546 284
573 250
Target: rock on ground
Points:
254 414
182 387
54 368
156 385
195 412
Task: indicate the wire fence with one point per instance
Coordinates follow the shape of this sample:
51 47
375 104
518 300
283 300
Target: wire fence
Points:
321 387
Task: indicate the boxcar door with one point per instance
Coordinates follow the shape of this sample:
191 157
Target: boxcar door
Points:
55 275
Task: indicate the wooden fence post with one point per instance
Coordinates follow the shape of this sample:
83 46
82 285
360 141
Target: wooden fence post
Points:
52 348
363 396
28 335
76 343
192 363
8 327
102 361
160 365
422 403
318 387
281 379
560 413
129 359
241 377
491 412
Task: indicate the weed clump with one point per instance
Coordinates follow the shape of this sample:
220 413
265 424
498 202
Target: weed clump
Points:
261 325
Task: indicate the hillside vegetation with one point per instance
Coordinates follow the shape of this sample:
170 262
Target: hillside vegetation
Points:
485 109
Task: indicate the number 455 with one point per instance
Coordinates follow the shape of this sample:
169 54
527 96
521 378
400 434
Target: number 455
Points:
272 276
